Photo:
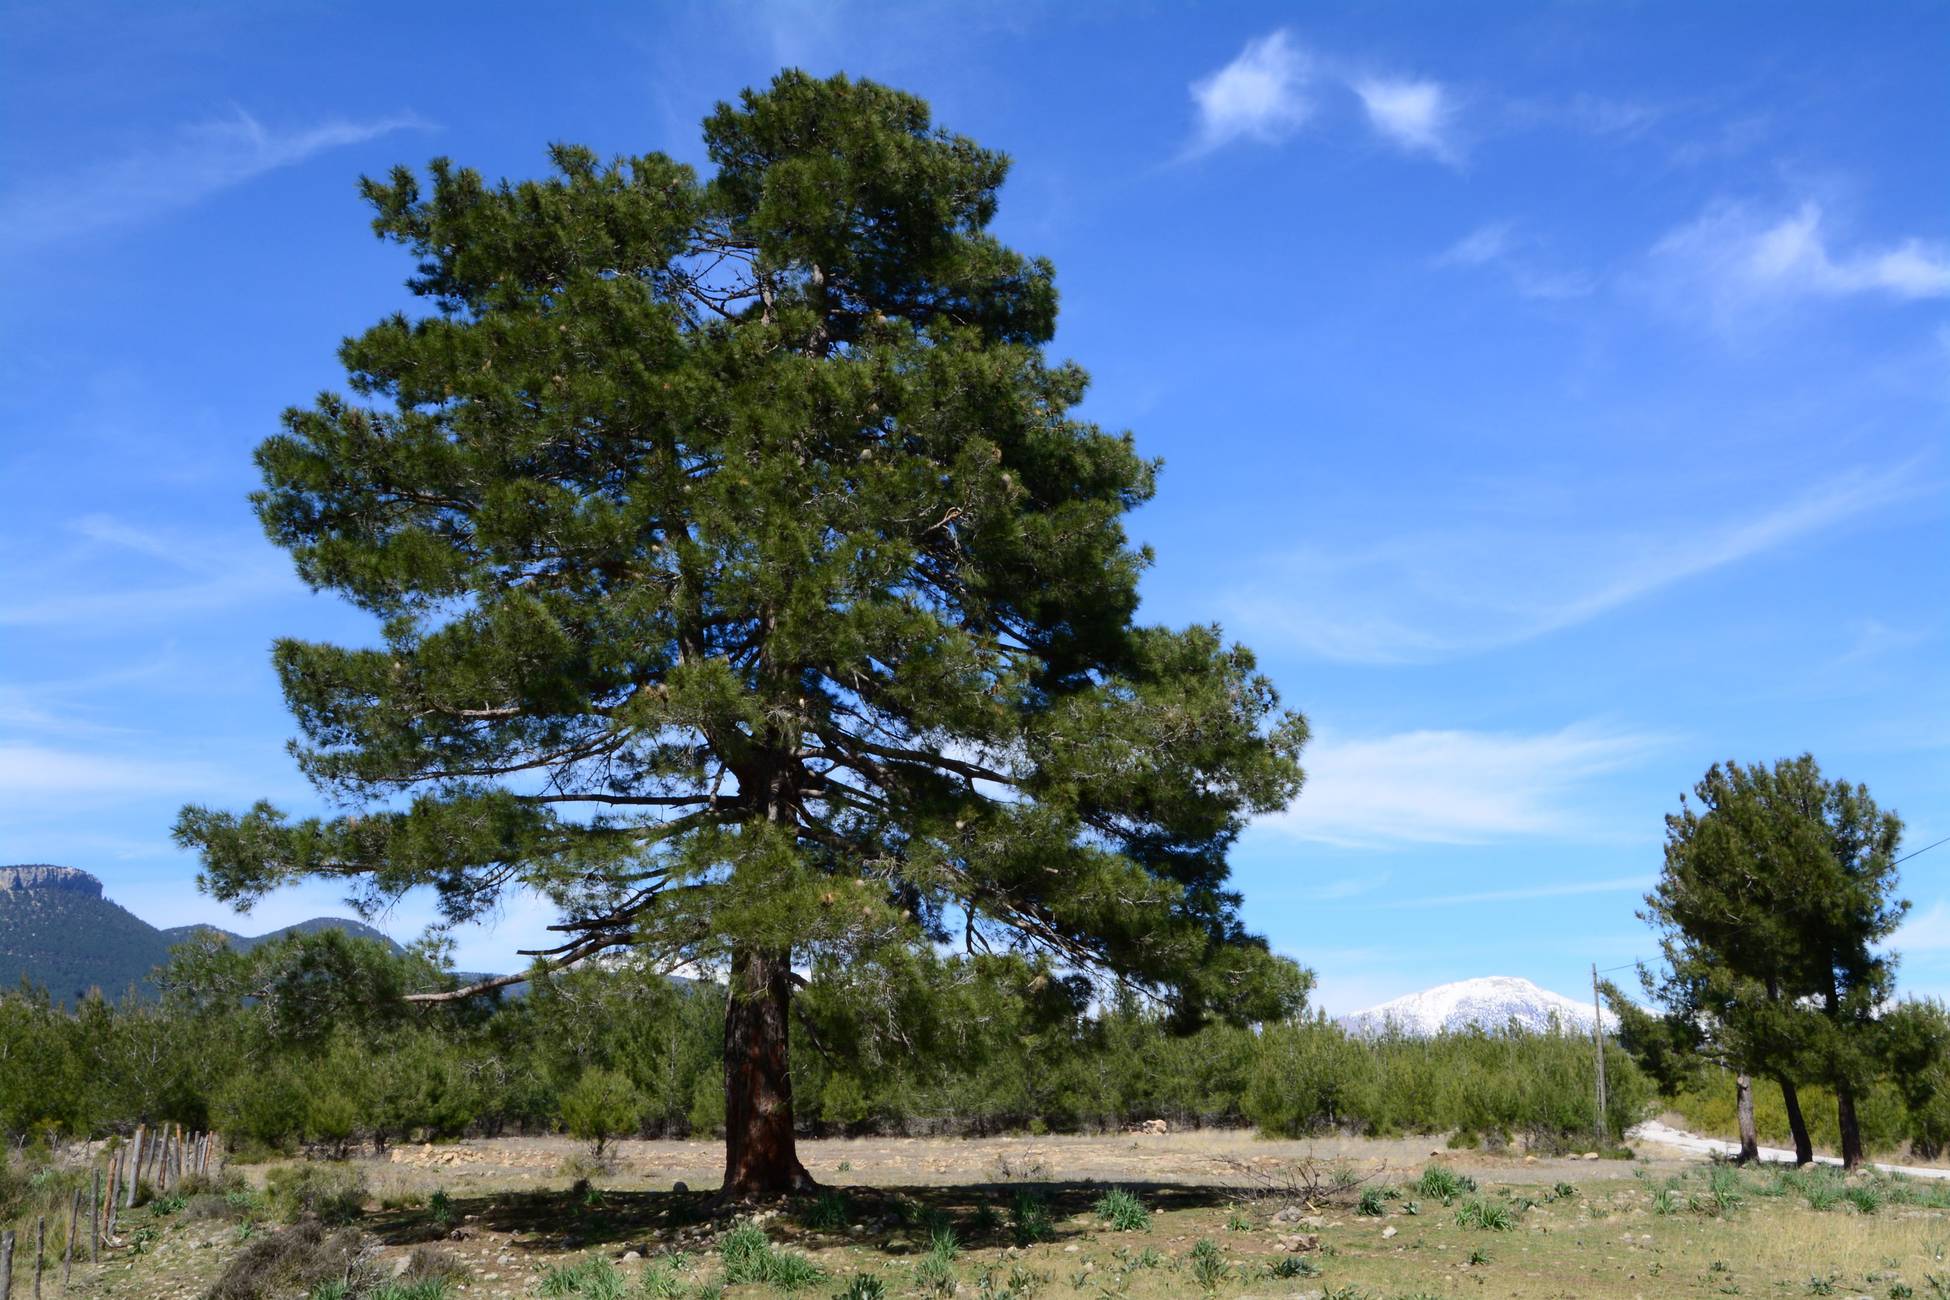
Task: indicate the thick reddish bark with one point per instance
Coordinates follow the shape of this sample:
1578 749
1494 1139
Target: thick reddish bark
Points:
1850 1127
1744 1106
1804 1147
760 1152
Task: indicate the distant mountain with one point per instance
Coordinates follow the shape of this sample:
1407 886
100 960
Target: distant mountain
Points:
244 942
1492 1003
60 933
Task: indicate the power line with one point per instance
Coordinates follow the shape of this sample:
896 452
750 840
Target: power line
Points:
1937 844
1925 849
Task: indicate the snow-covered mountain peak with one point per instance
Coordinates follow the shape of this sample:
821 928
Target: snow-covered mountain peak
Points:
1493 1002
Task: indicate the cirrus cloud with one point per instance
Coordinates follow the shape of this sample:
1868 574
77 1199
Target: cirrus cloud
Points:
1453 787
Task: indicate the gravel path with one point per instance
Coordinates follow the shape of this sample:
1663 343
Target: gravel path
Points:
1665 1135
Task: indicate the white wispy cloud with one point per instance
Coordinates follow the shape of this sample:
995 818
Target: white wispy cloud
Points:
1499 247
1349 887
32 773
177 574
1261 95
1419 597
1924 930
1453 787
193 163
1525 893
1740 257
1414 114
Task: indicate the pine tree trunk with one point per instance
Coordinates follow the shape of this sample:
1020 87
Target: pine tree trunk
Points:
1744 1104
760 1153
1804 1147
1851 1128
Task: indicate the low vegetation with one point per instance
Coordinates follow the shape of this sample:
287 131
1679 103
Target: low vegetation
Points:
605 1054
1499 1227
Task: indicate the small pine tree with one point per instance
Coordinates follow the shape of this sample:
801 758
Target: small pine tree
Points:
599 1106
1777 892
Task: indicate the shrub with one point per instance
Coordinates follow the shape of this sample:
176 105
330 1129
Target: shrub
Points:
434 1264
862 1286
332 1193
1122 1211
295 1258
1370 1204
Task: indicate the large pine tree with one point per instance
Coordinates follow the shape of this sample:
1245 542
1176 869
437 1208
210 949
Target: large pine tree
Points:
749 591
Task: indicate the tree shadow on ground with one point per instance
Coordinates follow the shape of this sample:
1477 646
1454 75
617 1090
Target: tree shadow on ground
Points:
895 1221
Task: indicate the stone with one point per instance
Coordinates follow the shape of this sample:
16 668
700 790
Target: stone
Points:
42 876
1589 1155
631 1256
1387 1232
680 1186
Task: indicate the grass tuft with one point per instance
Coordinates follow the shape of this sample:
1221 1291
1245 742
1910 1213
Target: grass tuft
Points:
1122 1211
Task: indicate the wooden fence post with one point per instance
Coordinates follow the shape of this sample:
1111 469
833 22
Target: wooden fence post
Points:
95 1219
6 1264
40 1252
114 1195
67 1256
133 1167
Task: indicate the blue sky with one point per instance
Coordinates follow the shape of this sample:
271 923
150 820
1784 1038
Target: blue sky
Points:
1553 395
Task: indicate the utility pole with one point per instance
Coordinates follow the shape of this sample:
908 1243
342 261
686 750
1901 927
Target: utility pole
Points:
1598 1042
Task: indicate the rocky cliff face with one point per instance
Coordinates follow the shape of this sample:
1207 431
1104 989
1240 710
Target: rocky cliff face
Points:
41 876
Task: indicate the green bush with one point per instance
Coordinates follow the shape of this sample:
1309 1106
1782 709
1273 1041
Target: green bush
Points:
329 1193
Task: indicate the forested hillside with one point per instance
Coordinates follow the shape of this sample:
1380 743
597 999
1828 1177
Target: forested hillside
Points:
58 932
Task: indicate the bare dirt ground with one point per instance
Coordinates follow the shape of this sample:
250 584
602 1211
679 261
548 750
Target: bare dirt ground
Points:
1662 1224
1203 1157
